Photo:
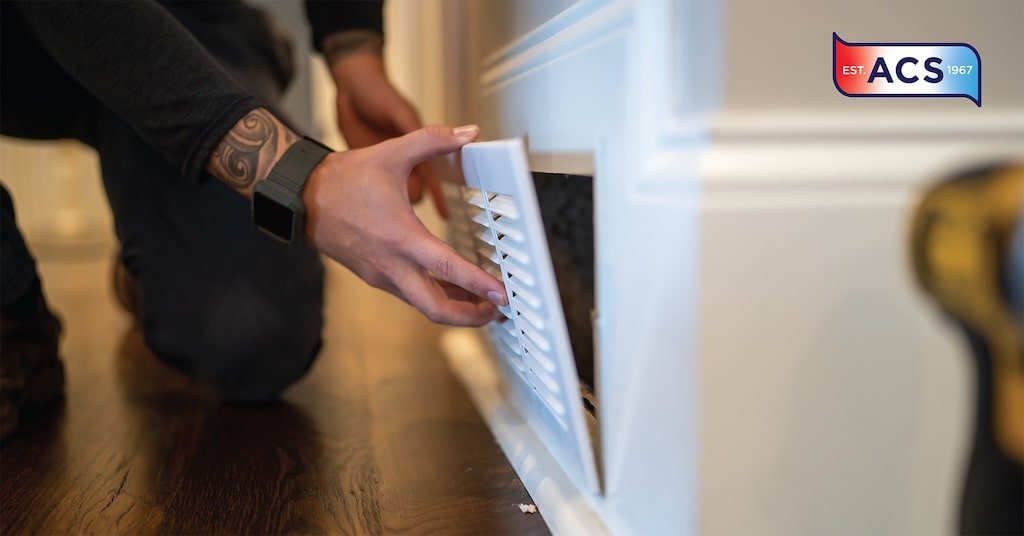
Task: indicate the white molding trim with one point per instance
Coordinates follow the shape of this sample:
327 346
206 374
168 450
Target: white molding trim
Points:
584 25
571 163
781 161
545 32
565 509
798 125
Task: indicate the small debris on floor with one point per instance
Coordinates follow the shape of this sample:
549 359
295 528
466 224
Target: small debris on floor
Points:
528 508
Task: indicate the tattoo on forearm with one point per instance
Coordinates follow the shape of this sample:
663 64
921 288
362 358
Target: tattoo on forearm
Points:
343 43
247 152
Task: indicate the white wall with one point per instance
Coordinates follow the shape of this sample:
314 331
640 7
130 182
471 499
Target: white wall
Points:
768 365
834 398
58 197
777 50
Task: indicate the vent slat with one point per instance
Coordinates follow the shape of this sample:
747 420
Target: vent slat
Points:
489 265
527 313
519 277
511 231
546 362
509 350
506 310
509 327
504 206
481 219
538 339
513 359
519 255
555 405
488 253
515 285
509 339
518 271
484 236
490 268
546 381
474 198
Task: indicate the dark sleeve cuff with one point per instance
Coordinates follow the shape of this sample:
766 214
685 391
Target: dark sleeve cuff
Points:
194 166
329 16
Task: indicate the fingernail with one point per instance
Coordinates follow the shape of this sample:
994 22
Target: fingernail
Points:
496 298
466 132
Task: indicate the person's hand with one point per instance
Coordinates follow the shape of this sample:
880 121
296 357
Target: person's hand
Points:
358 213
371 110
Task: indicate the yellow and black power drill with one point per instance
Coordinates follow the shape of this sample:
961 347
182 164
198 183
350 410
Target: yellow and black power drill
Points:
967 246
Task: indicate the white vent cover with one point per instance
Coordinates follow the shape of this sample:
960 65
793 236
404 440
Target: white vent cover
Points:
496 223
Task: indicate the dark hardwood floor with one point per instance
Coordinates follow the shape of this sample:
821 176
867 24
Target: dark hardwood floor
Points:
379 438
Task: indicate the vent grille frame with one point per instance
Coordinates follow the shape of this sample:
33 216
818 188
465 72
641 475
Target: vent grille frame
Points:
495 222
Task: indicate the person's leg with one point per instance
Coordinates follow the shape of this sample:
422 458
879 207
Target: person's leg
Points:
19 282
30 370
38 100
220 301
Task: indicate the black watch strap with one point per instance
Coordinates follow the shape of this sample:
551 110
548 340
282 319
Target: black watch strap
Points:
277 207
292 170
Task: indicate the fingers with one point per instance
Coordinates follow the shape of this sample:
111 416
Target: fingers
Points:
439 258
427 179
418 147
357 134
441 303
416 182
455 292
426 143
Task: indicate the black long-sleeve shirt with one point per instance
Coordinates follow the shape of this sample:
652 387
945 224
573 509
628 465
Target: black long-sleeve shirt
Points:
329 16
141 62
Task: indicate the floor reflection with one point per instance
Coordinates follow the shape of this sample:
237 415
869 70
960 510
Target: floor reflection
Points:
195 453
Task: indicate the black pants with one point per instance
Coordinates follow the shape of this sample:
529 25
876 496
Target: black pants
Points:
220 301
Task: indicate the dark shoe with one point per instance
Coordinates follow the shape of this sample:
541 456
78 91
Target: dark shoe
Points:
31 373
127 290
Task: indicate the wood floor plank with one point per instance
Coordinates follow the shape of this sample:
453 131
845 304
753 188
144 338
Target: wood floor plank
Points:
378 439
435 460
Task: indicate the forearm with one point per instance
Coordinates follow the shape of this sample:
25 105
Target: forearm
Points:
249 150
352 54
144 65
340 44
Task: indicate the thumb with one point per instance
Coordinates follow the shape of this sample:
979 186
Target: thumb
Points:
426 143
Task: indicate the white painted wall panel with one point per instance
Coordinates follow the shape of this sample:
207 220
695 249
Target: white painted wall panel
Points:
779 54
767 364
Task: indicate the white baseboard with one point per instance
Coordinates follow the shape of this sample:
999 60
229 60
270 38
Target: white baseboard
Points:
565 509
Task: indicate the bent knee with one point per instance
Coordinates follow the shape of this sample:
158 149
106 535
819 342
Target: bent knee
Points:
244 345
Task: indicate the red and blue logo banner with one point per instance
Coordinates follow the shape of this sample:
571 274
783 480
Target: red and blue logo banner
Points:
906 69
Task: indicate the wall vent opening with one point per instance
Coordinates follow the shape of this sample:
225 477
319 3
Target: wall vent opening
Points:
567 210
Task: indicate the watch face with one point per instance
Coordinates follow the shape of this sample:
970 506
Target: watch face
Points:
272 217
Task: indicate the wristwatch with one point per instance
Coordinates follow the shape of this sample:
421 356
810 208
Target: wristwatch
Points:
277 207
